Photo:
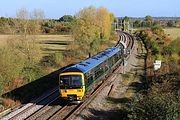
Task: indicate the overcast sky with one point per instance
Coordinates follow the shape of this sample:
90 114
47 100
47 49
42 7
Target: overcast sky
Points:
57 8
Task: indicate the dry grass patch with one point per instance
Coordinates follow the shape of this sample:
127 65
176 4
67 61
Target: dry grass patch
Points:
3 40
125 82
55 37
172 32
129 93
9 103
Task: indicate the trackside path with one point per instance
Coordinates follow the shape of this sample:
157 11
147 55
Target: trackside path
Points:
103 108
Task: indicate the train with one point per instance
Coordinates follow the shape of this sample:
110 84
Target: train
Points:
81 79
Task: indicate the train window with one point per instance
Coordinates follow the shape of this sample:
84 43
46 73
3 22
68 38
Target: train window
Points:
89 78
99 72
116 57
105 66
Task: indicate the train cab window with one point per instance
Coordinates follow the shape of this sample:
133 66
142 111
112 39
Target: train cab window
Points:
76 79
71 81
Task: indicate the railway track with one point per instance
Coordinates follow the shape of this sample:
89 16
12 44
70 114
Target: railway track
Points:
39 112
128 40
69 111
32 107
131 41
44 107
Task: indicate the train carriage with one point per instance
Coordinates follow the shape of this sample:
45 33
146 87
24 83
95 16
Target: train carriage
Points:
81 79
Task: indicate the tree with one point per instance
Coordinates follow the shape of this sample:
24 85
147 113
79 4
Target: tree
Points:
90 28
126 18
170 23
22 53
112 16
148 20
12 63
66 18
104 21
37 14
126 23
27 25
137 23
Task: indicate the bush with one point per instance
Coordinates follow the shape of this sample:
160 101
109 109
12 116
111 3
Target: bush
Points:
158 57
58 57
11 63
163 107
175 46
154 47
162 99
53 59
32 73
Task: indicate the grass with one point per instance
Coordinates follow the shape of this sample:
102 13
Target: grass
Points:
53 43
126 79
3 40
48 43
133 79
173 32
129 93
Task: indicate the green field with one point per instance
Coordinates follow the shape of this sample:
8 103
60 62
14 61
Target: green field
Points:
53 43
173 32
48 43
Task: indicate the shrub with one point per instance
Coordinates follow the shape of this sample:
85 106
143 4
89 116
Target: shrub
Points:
31 73
163 107
158 57
58 57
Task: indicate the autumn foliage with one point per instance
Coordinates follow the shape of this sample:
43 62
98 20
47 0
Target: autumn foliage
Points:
161 99
91 30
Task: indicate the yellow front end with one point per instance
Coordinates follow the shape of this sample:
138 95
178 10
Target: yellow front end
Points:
73 94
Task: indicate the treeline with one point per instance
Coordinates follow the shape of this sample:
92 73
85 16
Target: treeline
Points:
47 26
160 95
148 21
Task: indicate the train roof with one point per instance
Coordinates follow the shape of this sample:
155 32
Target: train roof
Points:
90 63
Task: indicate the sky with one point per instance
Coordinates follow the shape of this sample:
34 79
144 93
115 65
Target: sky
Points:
57 8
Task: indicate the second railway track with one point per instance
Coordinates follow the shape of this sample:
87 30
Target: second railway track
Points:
44 107
33 106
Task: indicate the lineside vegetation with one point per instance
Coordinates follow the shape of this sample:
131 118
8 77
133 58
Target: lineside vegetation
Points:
159 96
21 60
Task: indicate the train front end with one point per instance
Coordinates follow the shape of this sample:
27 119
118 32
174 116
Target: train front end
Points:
72 86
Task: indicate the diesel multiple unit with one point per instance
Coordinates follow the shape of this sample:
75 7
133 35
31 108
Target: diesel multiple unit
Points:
79 80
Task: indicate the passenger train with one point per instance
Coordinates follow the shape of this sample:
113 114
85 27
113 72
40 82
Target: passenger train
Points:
80 80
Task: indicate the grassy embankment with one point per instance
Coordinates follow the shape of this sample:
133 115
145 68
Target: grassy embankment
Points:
153 94
48 44
160 99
